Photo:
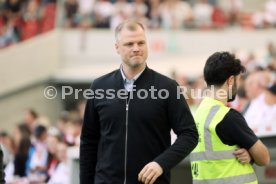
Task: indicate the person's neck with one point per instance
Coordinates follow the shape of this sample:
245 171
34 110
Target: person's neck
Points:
131 72
215 93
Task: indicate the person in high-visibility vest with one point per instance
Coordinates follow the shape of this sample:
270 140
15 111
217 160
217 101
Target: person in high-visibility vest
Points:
227 147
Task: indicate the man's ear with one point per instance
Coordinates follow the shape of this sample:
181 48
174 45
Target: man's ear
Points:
230 81
117 47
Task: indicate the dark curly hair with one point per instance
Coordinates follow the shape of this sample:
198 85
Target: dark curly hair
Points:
220 66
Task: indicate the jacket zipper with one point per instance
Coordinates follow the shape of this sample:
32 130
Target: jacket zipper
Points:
126 137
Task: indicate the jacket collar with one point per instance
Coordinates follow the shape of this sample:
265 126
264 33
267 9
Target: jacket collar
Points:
134 78
141 80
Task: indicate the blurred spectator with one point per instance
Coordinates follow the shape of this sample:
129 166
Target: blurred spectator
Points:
255 84
17 167
175 14
30 119
24 19
86 7
243 102
23 143
71 12
264 118
13 7
31 20
139 10
203 14
85 13
270 12
270 53
233 9
7 34
73 130
122 11
272 65
61 174
38 155
250 62
48 15
103 11
182 80
258 20
153 14
219 19
62 122
8 148
53 140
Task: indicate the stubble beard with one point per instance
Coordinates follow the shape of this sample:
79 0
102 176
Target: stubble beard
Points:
233 93
136 64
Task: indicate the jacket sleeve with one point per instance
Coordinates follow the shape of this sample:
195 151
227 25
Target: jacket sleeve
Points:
89 141
2 174
182 123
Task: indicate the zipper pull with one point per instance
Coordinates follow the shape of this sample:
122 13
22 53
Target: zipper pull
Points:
126 107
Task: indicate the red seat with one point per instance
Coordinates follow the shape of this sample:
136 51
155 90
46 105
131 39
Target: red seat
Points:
49 17
218 18
30 29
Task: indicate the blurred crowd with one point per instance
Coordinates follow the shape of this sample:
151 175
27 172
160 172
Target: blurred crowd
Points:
168 14
256 94
23 19
36 151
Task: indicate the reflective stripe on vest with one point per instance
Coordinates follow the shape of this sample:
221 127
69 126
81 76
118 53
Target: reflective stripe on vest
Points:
207 134
212 155
209 154
202 159
246 178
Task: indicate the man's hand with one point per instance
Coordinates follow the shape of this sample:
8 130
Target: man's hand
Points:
242 155
150 173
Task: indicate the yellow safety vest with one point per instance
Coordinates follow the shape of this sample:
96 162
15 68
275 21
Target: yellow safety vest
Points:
213 162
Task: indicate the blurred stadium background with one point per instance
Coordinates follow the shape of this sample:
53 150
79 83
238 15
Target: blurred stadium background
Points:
71 42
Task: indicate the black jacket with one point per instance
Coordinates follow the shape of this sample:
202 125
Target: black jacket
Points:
2 174
117 143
